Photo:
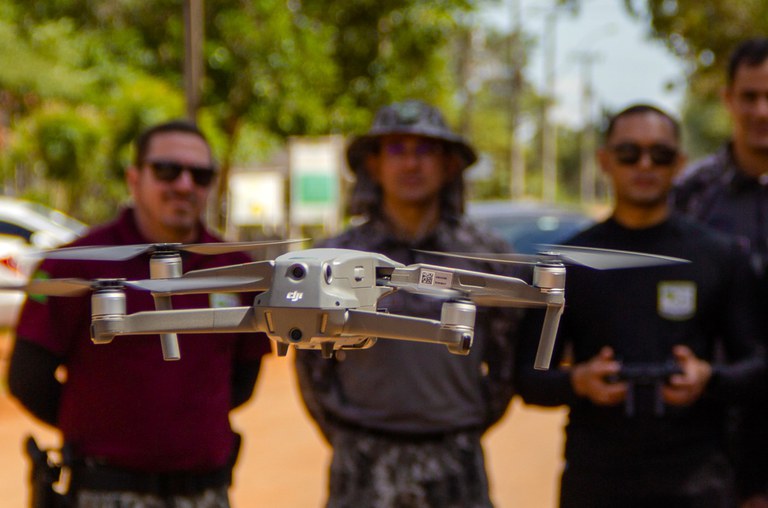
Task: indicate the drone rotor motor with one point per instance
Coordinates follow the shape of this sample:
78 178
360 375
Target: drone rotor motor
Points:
166 264
458 317
108 310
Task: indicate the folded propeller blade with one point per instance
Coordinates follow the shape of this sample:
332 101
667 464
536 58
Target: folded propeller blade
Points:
599 259
123 252
608 259
181 286
58 287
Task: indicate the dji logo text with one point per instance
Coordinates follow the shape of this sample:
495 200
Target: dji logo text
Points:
294 296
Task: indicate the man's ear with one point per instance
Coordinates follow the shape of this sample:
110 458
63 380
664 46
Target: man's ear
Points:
680 163
726 95
132 179
453 165
602 159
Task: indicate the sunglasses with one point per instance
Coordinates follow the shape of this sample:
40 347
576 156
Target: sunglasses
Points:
167 171
631 153
421 149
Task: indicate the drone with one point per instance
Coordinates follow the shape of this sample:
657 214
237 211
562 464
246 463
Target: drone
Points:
324 298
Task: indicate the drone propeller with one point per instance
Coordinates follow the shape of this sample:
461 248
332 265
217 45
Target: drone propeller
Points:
177 286
599 259
181 286
63 287
123 252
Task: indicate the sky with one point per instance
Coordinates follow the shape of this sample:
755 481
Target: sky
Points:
626 67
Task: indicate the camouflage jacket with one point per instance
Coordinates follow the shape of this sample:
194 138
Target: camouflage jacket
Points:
414 388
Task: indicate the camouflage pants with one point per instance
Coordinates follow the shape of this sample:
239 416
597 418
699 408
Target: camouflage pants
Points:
373 471
210 498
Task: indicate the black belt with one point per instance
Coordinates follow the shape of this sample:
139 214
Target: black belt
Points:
412 437
107 478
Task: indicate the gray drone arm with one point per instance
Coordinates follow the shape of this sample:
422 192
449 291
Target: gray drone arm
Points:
455 329
547 291
482 288
548 335
225 320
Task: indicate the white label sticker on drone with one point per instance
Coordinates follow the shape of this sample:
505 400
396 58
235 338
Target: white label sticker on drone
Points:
677 299
435 279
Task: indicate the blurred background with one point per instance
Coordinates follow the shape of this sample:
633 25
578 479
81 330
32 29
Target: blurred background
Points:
280 85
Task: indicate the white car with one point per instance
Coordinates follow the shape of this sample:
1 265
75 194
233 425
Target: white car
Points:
26 227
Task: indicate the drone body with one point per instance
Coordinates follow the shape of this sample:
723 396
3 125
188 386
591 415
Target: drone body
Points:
320 299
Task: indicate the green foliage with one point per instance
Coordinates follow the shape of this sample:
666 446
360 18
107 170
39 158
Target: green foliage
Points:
79 79
704 33
706 126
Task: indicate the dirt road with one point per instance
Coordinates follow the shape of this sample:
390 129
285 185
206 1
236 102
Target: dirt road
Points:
283 461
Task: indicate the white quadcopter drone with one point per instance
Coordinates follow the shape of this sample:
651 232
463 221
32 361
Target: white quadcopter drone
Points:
324 299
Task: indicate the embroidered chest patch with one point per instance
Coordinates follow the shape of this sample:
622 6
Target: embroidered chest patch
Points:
676 299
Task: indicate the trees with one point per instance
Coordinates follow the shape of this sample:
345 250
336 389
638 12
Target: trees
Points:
703 33
272 69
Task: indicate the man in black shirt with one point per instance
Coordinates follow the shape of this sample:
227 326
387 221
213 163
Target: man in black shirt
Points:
728 191
655 353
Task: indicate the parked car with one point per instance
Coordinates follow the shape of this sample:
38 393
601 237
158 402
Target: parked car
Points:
26 227
525 224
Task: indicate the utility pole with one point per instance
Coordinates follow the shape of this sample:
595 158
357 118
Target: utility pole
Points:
193 55
516 157
548 127
588 172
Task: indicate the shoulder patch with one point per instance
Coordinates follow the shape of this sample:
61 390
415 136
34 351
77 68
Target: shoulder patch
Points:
676 299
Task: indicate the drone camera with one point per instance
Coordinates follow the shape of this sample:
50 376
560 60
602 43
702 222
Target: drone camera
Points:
295 334
328 273
297 271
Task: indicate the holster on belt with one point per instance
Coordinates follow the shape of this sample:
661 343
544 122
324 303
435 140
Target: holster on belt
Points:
92 474
48 477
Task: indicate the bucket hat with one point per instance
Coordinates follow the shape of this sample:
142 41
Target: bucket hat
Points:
408 117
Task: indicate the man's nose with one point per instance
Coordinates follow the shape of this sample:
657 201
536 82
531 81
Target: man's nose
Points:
645 161
761 105
184 181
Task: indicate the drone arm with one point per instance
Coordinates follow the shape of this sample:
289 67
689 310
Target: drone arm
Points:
391 326
168 341
548 335
482 288
226 320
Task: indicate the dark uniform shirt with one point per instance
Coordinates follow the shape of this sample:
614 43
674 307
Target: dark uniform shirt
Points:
121 402
717 192
642 313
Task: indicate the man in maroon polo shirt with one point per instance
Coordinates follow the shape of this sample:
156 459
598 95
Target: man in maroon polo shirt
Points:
143 432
